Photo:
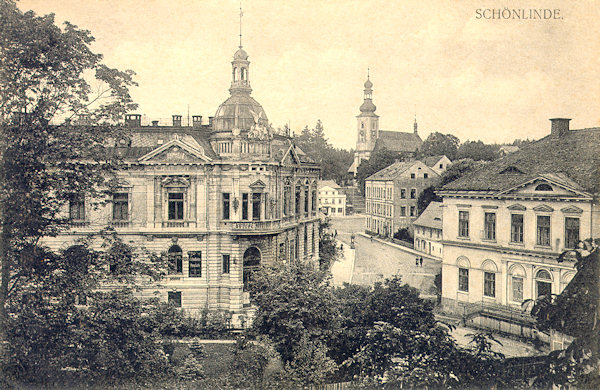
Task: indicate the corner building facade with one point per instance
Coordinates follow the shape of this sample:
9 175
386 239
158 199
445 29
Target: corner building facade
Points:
217 199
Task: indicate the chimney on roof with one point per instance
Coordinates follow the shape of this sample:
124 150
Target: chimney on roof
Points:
155 123
197 120
210 120
133 120
560 127
176 120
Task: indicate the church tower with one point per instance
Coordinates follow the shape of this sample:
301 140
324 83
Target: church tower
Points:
367 126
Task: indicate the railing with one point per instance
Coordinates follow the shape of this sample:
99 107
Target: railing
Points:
251 225
119 224
175 224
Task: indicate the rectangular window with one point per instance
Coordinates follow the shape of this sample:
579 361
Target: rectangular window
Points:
282 251
403 193
226 263
489 284
463 224
256 206
120 207
174 298
314 200
298 196
77 208
425 175
571 232
306 200
463 279
489 230
195 264
226 204
413 194
543 230
175 205
412 176
516 228
403 211
245 207
340 210
314 240
412 211
517 289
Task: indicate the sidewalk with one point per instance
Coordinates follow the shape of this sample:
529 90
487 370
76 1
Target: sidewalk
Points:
401 247
343 268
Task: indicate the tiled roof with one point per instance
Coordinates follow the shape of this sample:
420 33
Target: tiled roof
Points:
431 217
398 141
573 157
392 171
432 160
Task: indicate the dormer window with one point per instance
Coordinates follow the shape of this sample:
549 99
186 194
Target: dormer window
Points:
512 170
543 187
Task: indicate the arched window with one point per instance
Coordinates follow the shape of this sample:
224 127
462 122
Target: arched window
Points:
489 278
543 187
175 260
543 283
251 263
517 277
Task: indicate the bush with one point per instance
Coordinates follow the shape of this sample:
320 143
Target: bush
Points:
404 235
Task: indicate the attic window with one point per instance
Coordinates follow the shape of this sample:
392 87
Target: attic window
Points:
512 169
543 187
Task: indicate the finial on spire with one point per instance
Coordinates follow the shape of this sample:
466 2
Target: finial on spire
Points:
241 14
368 73
415 126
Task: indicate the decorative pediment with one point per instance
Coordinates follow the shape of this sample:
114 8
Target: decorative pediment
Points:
258 184
175 151
546 186
543 208
571 210
290 157
517 207
175 181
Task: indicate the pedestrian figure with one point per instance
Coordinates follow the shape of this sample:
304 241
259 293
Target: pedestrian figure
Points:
416 261
421 261
342 247
371 238
335 233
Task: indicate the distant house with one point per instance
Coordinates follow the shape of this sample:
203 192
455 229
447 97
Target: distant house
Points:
428 230
437 163
392 193
332 200
505 225
507 149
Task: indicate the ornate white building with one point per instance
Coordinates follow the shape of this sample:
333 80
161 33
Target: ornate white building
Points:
218 199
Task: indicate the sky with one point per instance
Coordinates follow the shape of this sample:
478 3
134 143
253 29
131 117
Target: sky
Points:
493 80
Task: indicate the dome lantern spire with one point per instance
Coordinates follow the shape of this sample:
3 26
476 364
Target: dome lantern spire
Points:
240 76
368 106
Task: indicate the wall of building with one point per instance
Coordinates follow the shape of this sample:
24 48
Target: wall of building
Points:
428 240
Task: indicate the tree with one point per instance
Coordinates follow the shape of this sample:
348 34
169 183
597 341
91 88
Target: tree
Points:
427 196
478 151
43 79
334 162
438 144
294 310
328 250
379 159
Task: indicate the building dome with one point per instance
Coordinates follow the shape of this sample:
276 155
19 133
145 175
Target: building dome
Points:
368 84
240 54
239 111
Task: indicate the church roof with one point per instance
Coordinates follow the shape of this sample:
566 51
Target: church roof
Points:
571 157
398 141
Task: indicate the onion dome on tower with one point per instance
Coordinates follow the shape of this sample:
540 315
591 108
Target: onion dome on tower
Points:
368 108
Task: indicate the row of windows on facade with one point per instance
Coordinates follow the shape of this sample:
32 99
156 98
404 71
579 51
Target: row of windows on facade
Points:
423 231
386 210
517 228
333 209
387 193
327 201
175 200
543 284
